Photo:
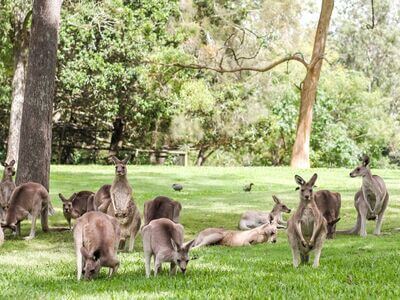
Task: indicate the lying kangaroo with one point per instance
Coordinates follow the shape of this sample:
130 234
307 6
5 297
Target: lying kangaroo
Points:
253 219
329 205
7 186
232 238
161 207
77 205
307 227
118 202
96 237
163 239
32 199
373 193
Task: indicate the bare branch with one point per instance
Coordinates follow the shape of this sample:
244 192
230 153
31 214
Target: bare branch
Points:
371 26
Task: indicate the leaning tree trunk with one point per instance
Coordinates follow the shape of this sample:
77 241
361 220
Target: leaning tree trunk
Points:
301 147
18 82
35 141
117 136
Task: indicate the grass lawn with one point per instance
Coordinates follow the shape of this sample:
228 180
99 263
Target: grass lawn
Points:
350 266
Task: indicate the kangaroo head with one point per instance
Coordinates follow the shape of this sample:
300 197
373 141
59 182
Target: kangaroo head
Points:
12 226
67 203
362 169
92 264
9 169
306 188
120 165
280 206
181 254
332 228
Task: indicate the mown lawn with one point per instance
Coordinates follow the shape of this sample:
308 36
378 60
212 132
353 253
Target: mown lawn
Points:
351 267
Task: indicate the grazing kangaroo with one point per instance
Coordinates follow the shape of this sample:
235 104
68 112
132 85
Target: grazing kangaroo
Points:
32 199
307 227
77 205
232 238
118 202
161 207
370 201
163 239
96 237
7 186
253 219
329 205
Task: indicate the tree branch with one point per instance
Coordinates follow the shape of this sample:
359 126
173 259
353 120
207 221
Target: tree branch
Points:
371 26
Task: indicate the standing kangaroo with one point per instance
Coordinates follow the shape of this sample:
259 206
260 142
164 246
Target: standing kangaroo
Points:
96 237
121 204
370 201
307 227
7 186
77 205
30 198
253 219
329 205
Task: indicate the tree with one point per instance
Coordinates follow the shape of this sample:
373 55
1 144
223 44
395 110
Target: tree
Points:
35 140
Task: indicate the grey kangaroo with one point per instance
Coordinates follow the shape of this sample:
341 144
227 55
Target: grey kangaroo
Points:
118 202
28 199
163 239
307 227
253 219
161 207
7 186
96 237
77 205
370 201
329 204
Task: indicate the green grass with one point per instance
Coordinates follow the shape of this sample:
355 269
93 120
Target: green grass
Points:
350 266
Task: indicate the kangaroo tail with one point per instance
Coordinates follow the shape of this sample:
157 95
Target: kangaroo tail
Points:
354 230
78 238
44 217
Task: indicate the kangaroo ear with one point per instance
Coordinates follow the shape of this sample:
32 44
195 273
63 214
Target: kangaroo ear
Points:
174 245
85 253
114 159
313 179
299 180
73 196
126 159
63 199
334 221
365 160
188 245
4 164
276 200
12 163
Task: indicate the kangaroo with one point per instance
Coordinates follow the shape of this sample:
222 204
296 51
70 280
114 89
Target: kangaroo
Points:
118 202
32 199
232 238
96 237
253 219
307 227
7 186
329 205
77 205
163 239
161 207
373 193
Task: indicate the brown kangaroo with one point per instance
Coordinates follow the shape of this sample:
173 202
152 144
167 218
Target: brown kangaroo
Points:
329 205
32 199
161 207
96 237
77 205
119 203
102 198
307 227
7 186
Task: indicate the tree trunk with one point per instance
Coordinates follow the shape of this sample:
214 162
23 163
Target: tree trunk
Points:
301 147
35 140
117 135
18 82
202 157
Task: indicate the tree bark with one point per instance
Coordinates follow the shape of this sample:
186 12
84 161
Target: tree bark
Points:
202 156
117 136
35 140
301 147
21 20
